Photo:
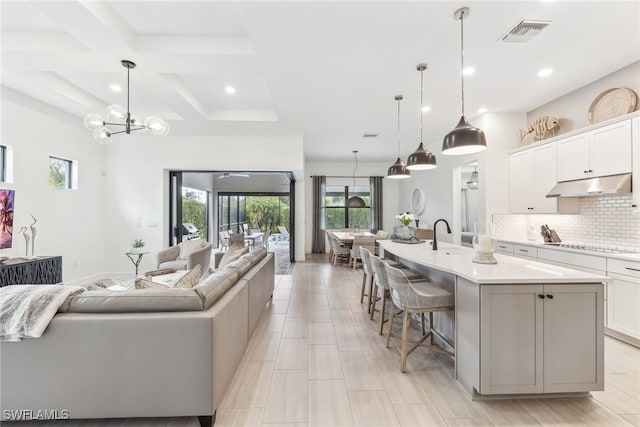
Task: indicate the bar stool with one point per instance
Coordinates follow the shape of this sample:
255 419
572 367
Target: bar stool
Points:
367 276
418 297
382 284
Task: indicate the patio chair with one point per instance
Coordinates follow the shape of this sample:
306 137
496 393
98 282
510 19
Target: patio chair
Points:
284 232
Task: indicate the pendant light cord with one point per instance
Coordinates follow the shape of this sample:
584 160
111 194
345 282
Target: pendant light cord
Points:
355 155
421 101
462 56
399 99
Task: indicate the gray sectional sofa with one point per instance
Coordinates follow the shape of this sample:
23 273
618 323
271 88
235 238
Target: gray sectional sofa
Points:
141 357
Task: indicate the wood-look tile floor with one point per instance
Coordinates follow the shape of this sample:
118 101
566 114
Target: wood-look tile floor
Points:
317 360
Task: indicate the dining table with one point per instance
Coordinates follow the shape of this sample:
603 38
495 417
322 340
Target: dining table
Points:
253 237
347 236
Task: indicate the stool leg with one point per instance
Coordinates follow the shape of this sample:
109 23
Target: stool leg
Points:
431 325
405 338
382 310
372 289
393 313
422 322
372 301
364 283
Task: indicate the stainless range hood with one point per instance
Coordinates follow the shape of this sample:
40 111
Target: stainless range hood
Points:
613 184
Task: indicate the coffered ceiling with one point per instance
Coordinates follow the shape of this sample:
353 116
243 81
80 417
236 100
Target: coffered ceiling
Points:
326 71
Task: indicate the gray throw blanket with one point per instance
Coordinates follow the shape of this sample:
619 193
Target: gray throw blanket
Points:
26 310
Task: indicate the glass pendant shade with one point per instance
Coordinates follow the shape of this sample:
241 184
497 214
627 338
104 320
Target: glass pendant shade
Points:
116 112
93 121
120 120
156 126
398 171
464 139
472 184
102 135
421 159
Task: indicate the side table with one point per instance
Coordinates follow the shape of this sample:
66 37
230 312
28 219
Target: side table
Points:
135 261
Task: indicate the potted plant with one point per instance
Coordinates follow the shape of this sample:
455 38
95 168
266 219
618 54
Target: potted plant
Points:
138 244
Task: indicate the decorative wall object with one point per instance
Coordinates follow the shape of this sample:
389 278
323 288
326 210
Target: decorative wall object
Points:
542 128
27 238
612 103
33 235
6 218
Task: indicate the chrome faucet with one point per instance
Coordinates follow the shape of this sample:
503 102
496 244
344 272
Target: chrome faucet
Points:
435 239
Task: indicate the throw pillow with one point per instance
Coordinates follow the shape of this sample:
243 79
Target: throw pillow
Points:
232 254
189 246
146 283
189 279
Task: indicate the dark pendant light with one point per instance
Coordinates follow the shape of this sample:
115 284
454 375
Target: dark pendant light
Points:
398 170
355 201
421 159
465 138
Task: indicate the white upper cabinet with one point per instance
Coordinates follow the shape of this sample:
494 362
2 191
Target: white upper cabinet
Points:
599 152
635 184
533 174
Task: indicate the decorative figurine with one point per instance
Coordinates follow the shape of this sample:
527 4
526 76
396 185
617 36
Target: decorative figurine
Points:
540 128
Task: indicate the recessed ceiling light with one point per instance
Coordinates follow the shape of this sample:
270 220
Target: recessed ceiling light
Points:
468 71
116 88
545 72
230 90
482 110
426 109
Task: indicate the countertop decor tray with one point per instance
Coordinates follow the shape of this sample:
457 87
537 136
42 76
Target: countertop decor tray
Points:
408 242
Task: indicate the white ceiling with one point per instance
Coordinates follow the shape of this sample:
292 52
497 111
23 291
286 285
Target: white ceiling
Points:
325 70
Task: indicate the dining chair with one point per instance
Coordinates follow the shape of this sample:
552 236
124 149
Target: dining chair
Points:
338 250
368 242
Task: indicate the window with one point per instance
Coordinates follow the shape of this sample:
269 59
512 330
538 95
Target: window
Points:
3 163
60 173
337 215
195 209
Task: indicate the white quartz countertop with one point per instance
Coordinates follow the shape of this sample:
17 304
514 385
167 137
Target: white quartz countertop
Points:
456 260
625 256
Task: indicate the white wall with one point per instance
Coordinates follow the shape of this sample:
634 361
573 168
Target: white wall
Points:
136 181
389 189
70 222
572 108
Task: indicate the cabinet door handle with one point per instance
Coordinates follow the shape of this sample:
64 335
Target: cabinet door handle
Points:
540 296
590 171
549 296
632 269
634 206
502 247
586 171
523 250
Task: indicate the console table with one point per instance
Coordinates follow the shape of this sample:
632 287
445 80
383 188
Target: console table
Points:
38 271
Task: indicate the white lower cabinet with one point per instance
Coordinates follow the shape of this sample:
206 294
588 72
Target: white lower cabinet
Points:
623 298
541 338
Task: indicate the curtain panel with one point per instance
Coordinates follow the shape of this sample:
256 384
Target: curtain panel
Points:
317 238
376 202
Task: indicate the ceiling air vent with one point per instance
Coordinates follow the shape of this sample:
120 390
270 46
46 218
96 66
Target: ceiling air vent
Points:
370 135
524 31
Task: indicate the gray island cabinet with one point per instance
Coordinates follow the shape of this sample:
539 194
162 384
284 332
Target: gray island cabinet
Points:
519 327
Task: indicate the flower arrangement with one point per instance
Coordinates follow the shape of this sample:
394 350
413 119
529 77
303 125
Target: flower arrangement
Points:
405 218
138 243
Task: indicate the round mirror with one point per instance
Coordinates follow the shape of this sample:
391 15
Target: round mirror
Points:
418 201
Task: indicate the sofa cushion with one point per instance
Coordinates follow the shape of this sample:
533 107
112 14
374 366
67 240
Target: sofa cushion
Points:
136 301
179 264
257 254
189 246
215 285
187 280
241 265
232 254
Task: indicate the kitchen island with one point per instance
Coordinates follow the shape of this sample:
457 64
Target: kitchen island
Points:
519 326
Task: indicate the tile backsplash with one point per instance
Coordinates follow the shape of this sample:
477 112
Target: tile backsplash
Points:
605 221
